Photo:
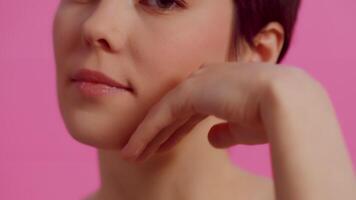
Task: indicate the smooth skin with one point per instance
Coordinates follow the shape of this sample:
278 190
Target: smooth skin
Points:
261 103
186 76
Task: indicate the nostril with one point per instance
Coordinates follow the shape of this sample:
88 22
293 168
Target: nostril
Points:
100 43
104 43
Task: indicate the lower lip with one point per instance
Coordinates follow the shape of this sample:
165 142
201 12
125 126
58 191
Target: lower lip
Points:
97 89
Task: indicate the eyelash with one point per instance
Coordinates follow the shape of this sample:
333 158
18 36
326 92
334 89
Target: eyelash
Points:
153 5
177 4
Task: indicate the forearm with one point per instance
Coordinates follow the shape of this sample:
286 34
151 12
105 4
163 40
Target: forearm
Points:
309 157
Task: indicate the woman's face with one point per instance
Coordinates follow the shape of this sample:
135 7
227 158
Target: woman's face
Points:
150 44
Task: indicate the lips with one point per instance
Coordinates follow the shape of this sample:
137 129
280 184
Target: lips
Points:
95 84
90 76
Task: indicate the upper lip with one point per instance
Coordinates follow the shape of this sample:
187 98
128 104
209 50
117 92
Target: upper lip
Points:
88 75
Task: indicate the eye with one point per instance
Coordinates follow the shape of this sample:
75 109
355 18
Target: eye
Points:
164 4
80 1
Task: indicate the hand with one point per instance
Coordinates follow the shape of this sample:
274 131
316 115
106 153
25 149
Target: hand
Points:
261 103
230 91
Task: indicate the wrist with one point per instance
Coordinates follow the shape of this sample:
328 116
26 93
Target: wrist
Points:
293 98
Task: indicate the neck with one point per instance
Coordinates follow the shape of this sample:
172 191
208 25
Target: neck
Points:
193 169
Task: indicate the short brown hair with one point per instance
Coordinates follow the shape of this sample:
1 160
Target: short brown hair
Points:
253 15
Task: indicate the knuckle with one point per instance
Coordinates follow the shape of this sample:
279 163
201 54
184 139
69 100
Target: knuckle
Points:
196 72
201 69
205 65
185 87
181 101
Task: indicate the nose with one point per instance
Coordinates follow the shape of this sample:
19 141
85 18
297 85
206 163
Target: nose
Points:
106 27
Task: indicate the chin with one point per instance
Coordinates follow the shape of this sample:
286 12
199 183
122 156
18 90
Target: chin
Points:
104 124
99 130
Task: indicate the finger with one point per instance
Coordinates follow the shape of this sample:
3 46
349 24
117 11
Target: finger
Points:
181 132
199 70
153 122
222 136
160 138
167 134
166 112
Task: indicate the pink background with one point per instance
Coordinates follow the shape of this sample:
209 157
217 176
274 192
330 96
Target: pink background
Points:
39 160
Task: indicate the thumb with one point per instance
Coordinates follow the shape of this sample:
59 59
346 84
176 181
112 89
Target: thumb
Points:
224 135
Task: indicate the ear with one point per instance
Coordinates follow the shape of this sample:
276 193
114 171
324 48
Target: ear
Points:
267 45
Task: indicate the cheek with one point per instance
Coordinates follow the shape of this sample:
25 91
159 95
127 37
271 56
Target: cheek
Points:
169 54
63 27
66 33
105 125
162 56
65 36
